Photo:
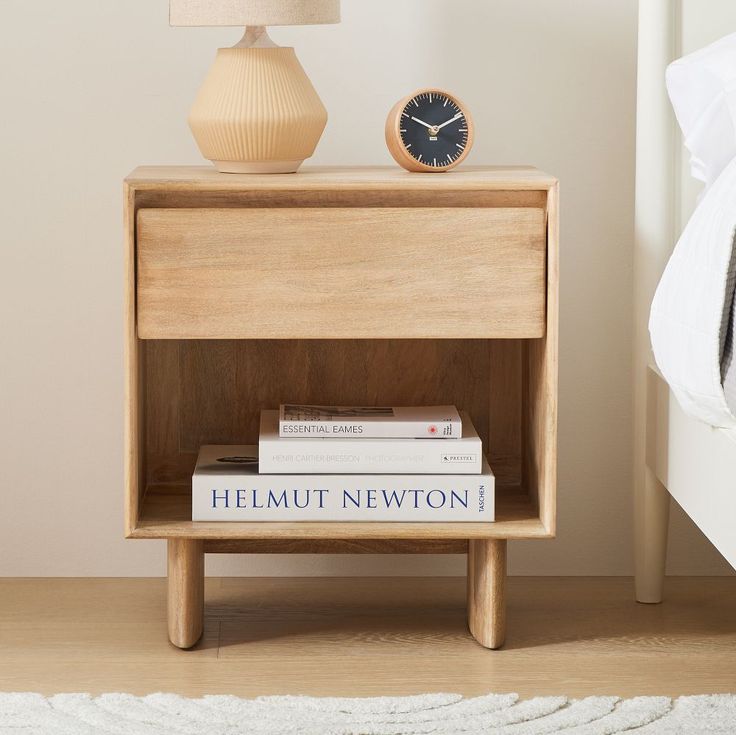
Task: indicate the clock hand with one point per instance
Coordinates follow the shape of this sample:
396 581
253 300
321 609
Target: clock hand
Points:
421 122
459 114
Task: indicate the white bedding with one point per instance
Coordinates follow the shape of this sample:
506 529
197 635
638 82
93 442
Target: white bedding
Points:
702 88
693 304
728 354
693 313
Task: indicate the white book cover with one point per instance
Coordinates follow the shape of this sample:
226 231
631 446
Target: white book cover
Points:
282 455
418 422
226 486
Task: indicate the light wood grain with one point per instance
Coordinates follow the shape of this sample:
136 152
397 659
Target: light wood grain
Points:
356 179
134 418
574 636
540 400
505 394
212 391
487 592
340 273
162 410
179 400
185 591
418 289
366 187
336 546
208 391
177 197
167 513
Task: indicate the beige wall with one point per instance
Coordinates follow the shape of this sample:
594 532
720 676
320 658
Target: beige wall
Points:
91 88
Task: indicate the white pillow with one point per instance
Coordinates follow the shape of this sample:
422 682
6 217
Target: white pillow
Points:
702 88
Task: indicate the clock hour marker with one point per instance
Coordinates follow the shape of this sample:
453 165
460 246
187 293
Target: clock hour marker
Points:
461 147
420 157
435 162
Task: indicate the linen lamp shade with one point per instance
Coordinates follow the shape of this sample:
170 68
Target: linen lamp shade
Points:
253 12
257 111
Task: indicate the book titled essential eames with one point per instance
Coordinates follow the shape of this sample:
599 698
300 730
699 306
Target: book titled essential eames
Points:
436 422
315 454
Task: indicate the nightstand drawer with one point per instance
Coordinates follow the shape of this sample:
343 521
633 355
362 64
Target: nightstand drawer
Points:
242 273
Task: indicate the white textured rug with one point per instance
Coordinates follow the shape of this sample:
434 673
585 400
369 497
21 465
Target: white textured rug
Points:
438 714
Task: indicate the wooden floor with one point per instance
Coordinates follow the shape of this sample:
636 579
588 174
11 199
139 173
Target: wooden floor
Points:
335 637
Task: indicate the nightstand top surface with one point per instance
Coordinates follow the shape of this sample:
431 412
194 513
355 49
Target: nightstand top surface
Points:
467 178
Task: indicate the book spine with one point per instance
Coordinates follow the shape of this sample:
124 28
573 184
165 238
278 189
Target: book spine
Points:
377 456
341 498
355 428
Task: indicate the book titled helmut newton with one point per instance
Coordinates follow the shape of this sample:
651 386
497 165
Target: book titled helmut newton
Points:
226 486
297 455
363 422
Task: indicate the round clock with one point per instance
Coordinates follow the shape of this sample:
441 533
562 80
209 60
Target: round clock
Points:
429 130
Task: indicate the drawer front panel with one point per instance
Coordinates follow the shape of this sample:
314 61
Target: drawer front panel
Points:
329 273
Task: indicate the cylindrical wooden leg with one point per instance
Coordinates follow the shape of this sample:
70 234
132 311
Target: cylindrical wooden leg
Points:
186 591
651 521
487 591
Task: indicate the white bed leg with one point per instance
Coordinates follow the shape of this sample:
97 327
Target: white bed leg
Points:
651 521
655 233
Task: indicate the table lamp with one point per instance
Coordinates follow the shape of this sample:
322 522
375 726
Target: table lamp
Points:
257 111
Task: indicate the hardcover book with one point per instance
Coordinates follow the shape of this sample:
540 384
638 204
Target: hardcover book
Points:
226 486
435 422
280 455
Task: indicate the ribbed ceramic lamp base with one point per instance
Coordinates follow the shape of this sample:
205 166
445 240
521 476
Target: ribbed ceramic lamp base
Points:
257 112
255 167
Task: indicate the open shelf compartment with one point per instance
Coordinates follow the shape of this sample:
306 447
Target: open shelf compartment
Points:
194 392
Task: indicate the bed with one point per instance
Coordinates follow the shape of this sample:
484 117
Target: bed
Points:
675 456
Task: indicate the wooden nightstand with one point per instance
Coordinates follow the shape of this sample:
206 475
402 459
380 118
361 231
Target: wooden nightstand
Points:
339 285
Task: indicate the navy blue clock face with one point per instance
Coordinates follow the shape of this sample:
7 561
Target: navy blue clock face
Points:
434 129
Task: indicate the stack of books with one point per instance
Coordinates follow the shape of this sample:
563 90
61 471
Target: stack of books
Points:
335 463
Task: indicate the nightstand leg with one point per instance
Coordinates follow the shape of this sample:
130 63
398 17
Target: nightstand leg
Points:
186 591
487 591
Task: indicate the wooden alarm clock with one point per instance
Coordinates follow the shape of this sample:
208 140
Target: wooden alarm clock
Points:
430 130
